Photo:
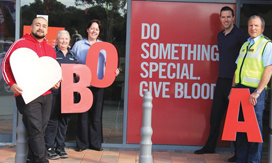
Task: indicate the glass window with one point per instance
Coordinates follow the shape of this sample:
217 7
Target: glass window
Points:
7 36
73 15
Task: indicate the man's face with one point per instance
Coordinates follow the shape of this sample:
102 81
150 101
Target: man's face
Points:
255 28
226 19
39 28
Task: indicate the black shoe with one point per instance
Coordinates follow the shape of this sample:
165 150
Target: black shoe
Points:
51 154
97 149
232 159
61 152
80 149
45 161
203 151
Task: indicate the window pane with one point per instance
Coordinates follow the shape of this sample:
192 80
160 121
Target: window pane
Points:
7 33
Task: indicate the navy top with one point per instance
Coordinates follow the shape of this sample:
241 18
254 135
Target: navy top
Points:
229 47
70 58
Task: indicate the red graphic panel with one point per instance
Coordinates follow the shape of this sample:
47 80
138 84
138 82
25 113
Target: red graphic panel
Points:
173 54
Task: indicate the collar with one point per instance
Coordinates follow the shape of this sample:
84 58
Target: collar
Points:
57 49
87 42
232 30
252 41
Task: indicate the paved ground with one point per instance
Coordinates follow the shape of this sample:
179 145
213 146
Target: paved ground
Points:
130 155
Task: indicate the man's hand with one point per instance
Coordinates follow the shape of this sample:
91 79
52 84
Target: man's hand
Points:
253 98
56 86
230 92
16 89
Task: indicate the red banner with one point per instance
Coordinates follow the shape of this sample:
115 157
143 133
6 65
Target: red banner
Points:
174 55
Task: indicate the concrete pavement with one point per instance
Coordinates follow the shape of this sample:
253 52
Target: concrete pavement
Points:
130 155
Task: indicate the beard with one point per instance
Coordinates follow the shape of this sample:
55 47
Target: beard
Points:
37 36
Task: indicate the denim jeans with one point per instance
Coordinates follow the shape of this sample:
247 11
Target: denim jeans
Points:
248 152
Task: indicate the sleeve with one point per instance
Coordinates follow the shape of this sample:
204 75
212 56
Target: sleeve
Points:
267 57
54 54
5 65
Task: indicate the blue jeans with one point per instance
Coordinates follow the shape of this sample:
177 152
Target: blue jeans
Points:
248 152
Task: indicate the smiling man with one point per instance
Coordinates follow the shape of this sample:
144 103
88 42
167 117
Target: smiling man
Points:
254 69
230 41
36 113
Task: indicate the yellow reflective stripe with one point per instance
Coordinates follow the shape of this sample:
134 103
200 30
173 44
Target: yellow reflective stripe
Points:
251 80
241 56
263 43
254 55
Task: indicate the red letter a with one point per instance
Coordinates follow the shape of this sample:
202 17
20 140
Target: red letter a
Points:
249 125
68 87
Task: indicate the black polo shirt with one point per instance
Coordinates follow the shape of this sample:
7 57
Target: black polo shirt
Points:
229 47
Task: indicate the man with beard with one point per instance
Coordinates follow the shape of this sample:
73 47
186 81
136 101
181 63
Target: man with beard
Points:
229 41
36 113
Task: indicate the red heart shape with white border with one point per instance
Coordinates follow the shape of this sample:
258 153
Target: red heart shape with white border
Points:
33 74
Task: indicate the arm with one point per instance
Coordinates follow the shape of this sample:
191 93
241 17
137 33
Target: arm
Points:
233 84
6 69
264 81
267 61
233 81
7 72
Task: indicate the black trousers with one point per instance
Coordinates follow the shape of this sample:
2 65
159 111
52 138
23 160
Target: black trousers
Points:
89 124
35 118
55 133
219 107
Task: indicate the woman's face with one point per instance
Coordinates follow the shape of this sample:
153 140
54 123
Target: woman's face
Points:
63 41
93 31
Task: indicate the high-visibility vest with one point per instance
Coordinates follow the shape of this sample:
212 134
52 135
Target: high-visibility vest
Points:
250 64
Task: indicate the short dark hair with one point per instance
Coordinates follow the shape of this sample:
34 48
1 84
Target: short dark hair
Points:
227 8
99 26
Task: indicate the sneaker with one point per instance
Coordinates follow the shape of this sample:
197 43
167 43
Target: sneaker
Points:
51 154
61 152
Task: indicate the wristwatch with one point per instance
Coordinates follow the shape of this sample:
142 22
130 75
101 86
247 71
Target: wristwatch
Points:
256 91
